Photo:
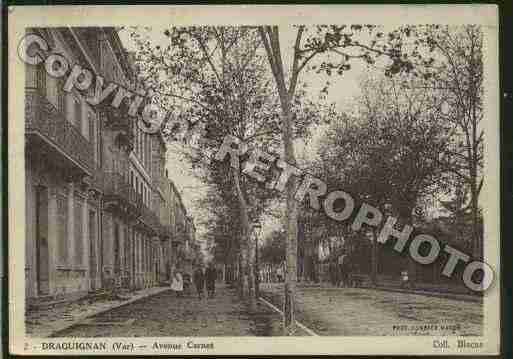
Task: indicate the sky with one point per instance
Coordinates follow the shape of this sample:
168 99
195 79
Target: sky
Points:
342 90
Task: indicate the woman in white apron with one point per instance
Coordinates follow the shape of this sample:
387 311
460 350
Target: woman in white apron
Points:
177 284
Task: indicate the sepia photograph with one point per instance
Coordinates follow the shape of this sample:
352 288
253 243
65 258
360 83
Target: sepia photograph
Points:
179 181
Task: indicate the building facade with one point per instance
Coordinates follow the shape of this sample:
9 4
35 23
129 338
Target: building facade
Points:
100 215
181 246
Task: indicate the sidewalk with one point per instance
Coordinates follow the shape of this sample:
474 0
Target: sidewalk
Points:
165 315
45 322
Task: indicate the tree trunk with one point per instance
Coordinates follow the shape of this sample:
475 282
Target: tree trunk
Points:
291 223
475 188
374 259
307 261
251 272
247 255
474 191
240 274
476 237
315 262
271 42
405 216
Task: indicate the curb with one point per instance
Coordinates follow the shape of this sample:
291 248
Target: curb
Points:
307 330
451 296
100 311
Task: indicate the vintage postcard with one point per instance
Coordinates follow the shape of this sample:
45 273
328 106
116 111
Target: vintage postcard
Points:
254 180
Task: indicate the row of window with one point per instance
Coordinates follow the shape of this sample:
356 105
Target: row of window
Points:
73 107
63 238
141 188
142 147
76 112
83 117
176 215
137 254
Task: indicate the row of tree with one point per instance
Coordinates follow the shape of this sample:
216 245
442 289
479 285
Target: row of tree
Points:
416 130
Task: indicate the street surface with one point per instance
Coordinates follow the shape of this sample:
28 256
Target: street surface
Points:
370 312
164 315
326 311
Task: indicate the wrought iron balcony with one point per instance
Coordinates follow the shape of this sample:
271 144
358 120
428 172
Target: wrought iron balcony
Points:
150 220
118 120
46 127
97 180
119 194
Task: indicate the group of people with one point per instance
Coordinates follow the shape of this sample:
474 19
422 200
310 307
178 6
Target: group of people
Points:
340 271
201 278
272 274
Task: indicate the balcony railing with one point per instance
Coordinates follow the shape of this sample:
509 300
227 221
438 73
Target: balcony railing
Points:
97 180
117 188
150 219
44 120
115 119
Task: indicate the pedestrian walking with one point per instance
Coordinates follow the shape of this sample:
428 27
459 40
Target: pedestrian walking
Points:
210 278
332 272
343 270
177 283
187 283
199 280
405 280
279 273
